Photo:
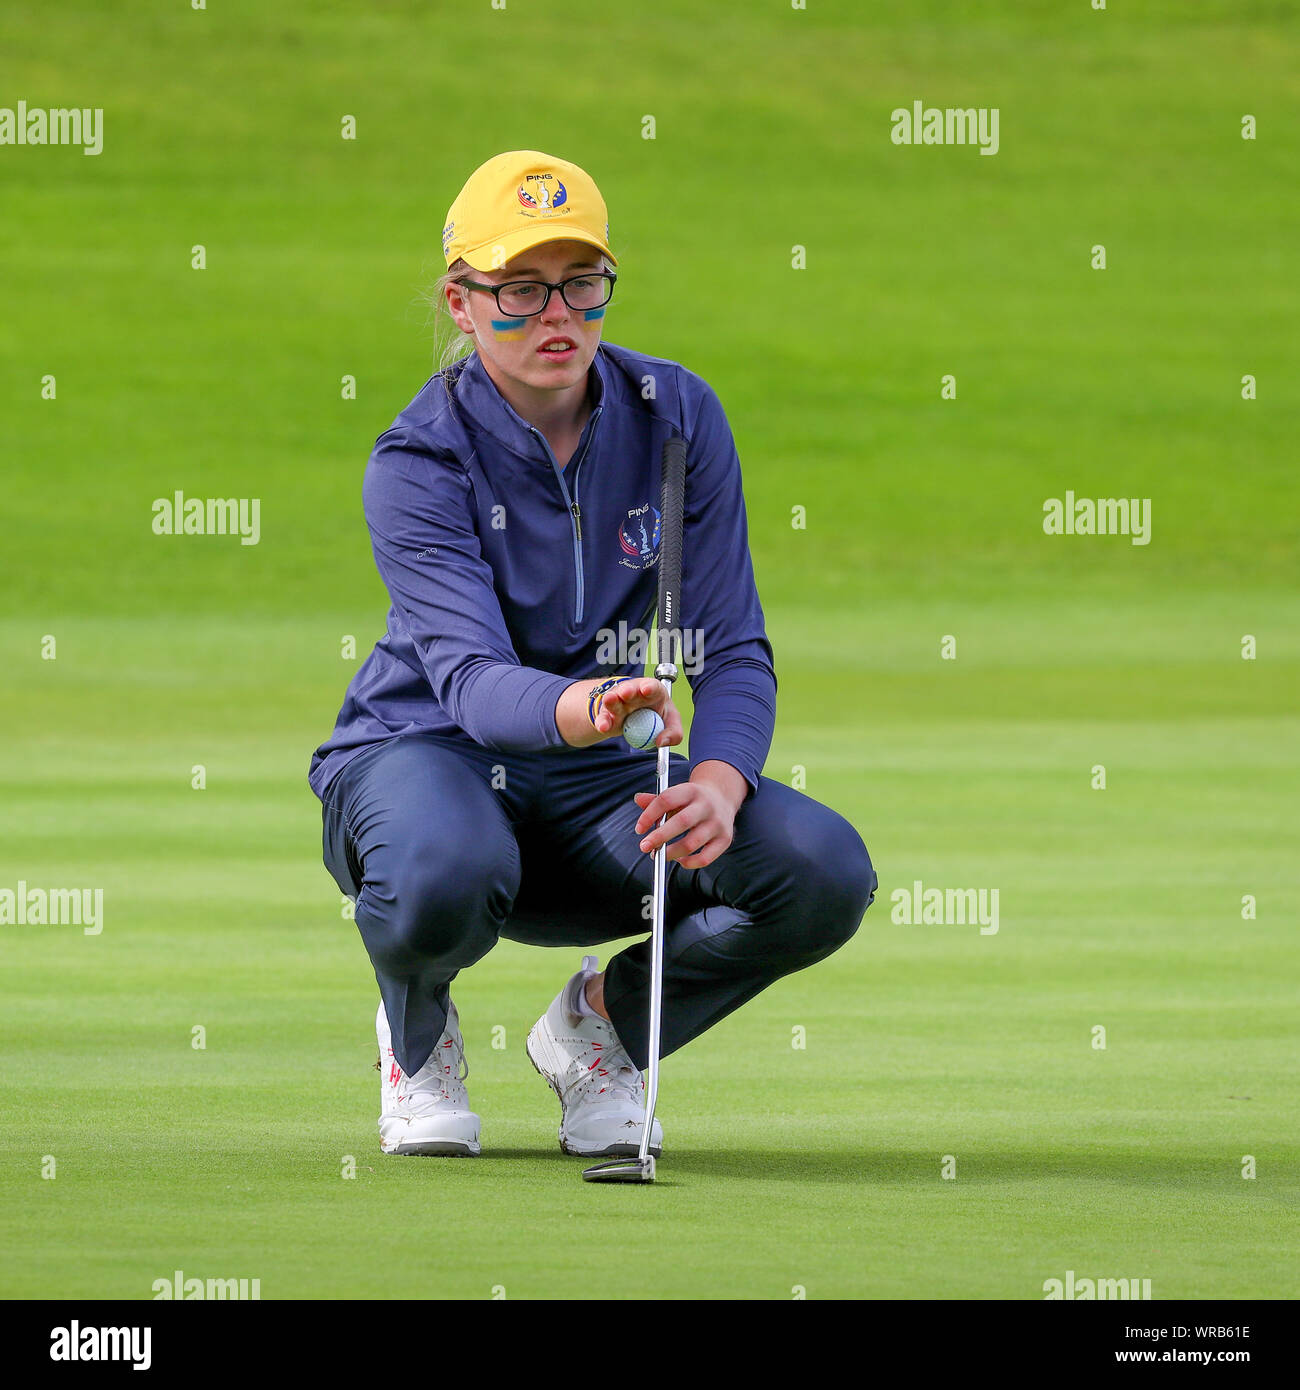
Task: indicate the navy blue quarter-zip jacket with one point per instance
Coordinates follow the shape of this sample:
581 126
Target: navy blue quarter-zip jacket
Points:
508 574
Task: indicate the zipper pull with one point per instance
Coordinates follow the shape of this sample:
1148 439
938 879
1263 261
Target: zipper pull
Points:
577 517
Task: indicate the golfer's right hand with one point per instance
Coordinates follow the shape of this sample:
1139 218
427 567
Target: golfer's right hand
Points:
643 693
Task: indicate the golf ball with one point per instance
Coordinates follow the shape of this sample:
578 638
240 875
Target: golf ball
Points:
642 727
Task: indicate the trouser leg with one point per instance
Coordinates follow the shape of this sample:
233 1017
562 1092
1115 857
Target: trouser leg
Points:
414 831
791 889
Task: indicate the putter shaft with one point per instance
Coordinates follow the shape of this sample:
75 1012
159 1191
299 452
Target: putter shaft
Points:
656 965
642 1168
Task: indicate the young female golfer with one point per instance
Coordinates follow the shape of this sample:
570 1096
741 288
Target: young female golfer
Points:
475 785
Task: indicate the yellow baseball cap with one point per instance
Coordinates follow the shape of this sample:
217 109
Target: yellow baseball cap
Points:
521 199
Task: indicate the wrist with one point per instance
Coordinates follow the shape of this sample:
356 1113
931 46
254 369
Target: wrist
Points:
572 718
724 778
596 695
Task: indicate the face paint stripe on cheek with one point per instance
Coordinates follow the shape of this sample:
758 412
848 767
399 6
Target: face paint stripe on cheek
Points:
508 330
592 317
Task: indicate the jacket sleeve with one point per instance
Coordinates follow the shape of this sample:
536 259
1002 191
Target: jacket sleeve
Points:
734 687
418 510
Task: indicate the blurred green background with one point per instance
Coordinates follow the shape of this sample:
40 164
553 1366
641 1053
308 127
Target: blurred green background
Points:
1120 908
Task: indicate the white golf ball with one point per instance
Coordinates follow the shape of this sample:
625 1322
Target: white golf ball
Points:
642 727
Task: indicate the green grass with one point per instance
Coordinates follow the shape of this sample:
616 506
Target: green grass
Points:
1119 908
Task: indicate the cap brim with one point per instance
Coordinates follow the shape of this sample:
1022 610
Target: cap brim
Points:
515 243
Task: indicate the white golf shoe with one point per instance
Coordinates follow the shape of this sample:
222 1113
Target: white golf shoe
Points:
427 1113
602 1094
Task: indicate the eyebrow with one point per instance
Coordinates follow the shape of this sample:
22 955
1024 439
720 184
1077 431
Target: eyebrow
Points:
532 270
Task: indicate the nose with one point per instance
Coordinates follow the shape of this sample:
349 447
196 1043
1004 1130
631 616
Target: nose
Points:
556 311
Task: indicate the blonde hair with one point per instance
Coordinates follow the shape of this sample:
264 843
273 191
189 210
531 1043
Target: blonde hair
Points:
450 344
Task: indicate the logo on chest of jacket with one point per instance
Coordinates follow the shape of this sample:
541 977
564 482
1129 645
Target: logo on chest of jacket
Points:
638 537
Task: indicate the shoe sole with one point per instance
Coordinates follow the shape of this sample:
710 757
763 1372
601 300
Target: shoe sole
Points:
399 1140
436 1148
609 1150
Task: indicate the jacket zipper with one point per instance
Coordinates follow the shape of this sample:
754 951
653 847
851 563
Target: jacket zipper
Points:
572 502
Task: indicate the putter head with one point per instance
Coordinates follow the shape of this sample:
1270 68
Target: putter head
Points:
622 1170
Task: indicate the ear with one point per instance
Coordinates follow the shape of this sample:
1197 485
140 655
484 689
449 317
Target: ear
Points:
458 307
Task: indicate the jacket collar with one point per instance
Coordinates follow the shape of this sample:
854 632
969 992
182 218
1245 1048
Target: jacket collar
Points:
488 410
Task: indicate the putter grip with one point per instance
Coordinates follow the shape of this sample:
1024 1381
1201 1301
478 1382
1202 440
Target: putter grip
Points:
673 501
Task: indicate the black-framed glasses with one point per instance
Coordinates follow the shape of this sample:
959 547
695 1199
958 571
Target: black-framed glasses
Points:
521 299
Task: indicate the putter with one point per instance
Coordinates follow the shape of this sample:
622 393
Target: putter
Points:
668 640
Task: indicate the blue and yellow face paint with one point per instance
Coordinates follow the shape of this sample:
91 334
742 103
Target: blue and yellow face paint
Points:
513 330
508 330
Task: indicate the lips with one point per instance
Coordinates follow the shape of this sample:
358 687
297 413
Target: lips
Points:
557 348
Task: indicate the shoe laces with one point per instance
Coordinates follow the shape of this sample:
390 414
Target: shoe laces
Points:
459 1076
449 1082
452 1081
620 1076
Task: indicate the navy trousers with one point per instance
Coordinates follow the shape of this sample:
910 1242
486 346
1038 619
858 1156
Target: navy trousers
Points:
447 846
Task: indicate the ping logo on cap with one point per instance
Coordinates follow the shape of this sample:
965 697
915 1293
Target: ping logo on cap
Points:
542 197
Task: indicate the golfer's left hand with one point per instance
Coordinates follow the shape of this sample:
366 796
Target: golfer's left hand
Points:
701 814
